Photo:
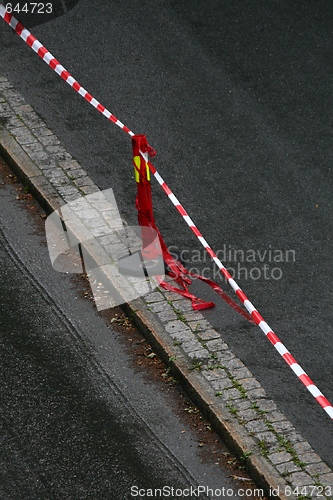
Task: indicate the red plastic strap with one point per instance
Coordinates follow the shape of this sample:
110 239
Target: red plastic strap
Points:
196 302
146 219
182 277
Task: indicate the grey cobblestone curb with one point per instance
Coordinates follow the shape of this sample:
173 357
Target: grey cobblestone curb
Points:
275 453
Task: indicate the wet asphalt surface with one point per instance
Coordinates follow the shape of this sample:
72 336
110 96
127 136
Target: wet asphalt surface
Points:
237 100
78 419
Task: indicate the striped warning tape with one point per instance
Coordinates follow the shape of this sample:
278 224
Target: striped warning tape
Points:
47 57
257 318
51 61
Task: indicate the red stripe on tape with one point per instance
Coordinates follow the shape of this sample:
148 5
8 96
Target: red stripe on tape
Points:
100 108
289 358
241 295
64 75
30 40
8 17
76 86
323 401
19 28
211 252
181 209
305 379
88 97
167 191
42 51
226 273
273 338
153 170
53 63
257 317
196 231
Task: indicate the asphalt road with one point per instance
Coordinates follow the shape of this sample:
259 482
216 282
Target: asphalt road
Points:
237 99
79 420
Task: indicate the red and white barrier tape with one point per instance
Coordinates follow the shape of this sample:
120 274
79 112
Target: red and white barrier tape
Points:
47 57
51 61
258 319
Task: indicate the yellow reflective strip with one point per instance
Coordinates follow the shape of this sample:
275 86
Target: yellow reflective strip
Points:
136 160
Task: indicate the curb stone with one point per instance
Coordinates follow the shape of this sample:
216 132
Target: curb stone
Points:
276 454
